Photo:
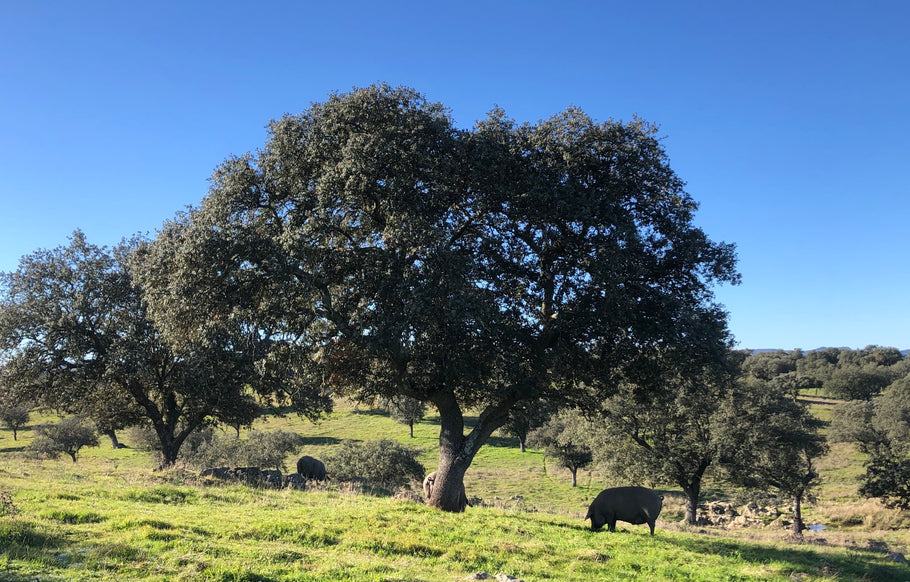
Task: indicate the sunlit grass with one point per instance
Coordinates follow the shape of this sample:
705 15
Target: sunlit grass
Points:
110 516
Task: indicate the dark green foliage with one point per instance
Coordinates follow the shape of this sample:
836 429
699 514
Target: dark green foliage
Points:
384 463
665 427
856 383
526 417
68 436
888 478
881 429
264 449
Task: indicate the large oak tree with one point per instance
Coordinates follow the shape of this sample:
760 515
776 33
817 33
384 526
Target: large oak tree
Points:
472 269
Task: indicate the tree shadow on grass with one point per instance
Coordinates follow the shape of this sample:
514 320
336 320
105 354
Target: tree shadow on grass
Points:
801 559
19 449
20 540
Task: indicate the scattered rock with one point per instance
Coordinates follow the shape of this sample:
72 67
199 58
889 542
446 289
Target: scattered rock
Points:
877 546
249 475
406 494
897 557
498 577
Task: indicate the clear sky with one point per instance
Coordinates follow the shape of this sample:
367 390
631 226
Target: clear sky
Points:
790 121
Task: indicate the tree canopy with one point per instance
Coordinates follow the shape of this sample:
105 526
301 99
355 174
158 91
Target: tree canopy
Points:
393 253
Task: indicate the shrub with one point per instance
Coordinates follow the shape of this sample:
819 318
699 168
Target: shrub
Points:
205 449
384 463
269 449
68 436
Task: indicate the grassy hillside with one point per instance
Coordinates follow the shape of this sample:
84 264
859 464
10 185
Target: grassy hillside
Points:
110 517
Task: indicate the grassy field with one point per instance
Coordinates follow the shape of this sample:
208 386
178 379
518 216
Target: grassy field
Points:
111 517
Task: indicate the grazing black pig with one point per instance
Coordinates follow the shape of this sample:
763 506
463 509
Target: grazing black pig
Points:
311 468
635 505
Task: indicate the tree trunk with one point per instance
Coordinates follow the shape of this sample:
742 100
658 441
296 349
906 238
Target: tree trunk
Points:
574 477
113 436
411 424
521 444
693 492
456 451
797 527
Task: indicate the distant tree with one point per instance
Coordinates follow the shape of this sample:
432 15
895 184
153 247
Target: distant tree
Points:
784 369
14 416
68 436
855 383
769 365
818 365
882 356
241 413
851 422
526 417
405 410
774 441
565 437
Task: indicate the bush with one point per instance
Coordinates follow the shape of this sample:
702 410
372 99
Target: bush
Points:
384 463
7 507
68 436
268 450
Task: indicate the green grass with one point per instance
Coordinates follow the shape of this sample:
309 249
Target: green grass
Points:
111 517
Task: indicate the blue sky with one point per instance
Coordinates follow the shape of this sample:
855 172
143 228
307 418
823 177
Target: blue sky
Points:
790 121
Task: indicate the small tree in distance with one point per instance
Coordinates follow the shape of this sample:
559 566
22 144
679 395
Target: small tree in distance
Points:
68 436
14 417
564 438
526 417
406 410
